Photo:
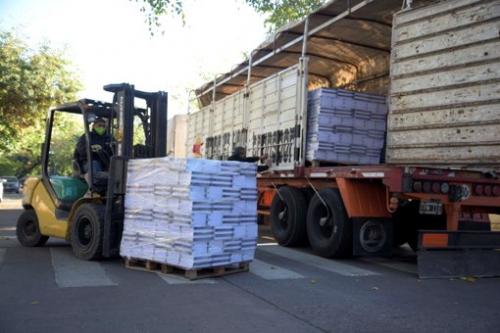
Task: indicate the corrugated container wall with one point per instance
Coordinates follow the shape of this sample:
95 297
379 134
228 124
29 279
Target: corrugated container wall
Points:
262 119
445 86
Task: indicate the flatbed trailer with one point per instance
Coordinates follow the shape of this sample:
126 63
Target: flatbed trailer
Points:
443 214
437 62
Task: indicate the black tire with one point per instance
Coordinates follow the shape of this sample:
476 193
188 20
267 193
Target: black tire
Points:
87 230
28 230
288 217
328 228
372 236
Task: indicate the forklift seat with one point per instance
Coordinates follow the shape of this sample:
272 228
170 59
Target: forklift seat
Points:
68 189
100 178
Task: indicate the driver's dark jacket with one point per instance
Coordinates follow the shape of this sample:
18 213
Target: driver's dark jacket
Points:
80 154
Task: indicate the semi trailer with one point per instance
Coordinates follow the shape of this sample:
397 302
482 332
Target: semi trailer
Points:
435 186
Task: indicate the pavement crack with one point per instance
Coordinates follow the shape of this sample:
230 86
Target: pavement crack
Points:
305 321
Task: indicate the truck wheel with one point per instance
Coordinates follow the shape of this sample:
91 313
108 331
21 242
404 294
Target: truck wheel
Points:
87 230
372 236
328 227
288 216
28 230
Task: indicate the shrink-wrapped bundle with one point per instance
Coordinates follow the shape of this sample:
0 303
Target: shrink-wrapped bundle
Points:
190 213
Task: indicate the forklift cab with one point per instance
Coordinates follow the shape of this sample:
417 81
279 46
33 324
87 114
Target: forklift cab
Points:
83 208
62 174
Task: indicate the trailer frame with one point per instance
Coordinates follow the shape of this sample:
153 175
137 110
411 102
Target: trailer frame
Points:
376 192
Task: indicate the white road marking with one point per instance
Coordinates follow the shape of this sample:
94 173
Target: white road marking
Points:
73 272
330 265
176 279
399 266
8 229
272 272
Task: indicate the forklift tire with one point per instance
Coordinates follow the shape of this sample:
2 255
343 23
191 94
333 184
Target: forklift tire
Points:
288 217
328 227
87 230
28 230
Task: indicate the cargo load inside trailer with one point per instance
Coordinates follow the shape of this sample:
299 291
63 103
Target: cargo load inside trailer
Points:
262 103
262 107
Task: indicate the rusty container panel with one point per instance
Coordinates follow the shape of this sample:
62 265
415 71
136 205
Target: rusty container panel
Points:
445 86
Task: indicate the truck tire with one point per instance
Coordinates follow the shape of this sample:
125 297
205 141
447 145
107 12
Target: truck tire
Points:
288 217
372 236
328 228
87 230
28 230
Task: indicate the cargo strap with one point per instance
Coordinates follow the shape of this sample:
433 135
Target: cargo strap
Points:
324 220
317 193
277 192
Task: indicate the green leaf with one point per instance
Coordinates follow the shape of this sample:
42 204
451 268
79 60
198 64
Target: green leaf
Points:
31 81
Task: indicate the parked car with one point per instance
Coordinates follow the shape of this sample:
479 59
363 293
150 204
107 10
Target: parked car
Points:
11 184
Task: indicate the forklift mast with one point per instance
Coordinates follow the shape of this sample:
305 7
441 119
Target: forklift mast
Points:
154 122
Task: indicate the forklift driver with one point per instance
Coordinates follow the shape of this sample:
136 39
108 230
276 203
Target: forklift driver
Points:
100 147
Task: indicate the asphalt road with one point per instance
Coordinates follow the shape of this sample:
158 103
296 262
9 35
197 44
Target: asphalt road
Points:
287 290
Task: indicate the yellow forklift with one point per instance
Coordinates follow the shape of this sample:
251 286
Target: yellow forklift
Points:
83 208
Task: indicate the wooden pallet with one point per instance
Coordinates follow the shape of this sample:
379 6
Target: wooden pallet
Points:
191 274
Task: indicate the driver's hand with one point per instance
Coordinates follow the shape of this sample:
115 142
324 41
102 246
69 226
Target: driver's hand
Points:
96 148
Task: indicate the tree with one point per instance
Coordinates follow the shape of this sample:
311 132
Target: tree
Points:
283 11
280 11
31 81
154 9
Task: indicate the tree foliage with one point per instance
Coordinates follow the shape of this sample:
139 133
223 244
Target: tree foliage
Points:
283 11
31 81
154 9
279 12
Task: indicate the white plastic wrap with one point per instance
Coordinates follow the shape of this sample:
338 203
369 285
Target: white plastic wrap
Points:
190 213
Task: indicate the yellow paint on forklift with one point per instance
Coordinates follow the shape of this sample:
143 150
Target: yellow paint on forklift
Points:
45 211
28 188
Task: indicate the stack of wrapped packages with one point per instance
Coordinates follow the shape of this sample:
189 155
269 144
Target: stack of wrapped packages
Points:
190 213
345 127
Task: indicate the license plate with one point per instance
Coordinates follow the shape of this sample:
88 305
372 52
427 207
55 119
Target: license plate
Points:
430 208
